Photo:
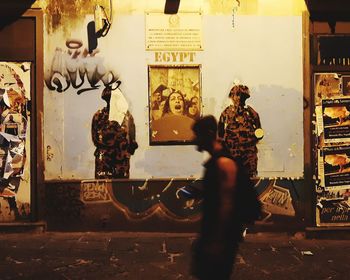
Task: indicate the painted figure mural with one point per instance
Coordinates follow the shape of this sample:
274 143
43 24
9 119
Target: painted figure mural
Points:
240 129
113 133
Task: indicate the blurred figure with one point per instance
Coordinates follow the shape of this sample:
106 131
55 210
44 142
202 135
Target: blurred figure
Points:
240 128
221 228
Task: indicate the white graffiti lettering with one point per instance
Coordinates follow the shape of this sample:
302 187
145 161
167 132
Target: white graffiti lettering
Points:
72 67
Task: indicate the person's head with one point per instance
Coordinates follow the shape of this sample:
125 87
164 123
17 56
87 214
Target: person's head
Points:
239 93
193 107
205 131
175 104
157 96
158 93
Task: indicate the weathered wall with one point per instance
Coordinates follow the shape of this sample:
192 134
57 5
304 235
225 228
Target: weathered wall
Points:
262 51
259 44
157 205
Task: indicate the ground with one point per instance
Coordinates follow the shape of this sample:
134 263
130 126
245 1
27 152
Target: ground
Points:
121 255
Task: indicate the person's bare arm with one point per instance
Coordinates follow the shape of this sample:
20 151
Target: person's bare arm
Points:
228 180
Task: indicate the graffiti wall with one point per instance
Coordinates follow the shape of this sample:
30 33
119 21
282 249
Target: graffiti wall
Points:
119 100
78 78
142 204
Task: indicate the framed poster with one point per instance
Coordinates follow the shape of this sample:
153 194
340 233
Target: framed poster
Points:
174 103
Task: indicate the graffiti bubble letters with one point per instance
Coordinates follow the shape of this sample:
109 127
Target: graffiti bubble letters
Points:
72 67
95 191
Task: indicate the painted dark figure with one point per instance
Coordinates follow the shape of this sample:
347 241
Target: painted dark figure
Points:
115 141
221 228
240 129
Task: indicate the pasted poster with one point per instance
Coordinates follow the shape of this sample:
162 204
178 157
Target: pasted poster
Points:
336 120
332 111
345 85
336 161
14 141
334 208
174 103
326 85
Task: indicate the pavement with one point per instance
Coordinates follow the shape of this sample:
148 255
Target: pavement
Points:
153 256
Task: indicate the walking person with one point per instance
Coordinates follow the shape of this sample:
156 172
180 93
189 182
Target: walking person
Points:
221 228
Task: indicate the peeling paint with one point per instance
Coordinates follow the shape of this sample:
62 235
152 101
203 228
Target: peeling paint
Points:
66 13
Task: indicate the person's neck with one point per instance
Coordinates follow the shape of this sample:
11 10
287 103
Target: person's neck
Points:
216 147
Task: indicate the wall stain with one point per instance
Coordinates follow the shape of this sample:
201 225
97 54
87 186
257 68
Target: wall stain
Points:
66 13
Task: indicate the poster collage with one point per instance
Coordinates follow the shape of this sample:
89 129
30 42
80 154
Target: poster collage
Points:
14 141
332 108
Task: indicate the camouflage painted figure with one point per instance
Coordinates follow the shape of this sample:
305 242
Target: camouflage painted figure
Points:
240 129
114 142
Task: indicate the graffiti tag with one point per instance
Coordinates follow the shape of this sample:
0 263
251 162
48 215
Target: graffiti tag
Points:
278 201
95 191
72 67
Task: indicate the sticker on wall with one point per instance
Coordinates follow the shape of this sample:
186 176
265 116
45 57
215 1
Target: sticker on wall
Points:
14 141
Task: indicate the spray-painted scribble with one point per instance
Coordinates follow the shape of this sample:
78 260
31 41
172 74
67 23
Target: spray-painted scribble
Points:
72 67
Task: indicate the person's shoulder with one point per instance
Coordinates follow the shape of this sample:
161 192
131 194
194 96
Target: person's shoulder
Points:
227 164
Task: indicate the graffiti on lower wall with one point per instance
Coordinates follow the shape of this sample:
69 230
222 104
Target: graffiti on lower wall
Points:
277 200
93 191
150 200
140 199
